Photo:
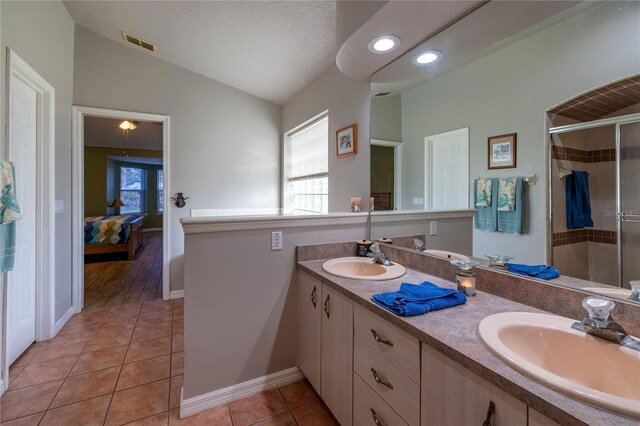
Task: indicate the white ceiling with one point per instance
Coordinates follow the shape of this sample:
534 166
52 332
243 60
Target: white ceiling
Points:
104 132
271 49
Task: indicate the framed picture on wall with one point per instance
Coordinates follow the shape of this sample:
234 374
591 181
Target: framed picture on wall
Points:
347 140
502 151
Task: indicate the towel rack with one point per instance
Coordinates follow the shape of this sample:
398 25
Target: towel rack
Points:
530 179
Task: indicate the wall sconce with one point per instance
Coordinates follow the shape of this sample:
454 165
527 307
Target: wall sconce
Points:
180 200
117 203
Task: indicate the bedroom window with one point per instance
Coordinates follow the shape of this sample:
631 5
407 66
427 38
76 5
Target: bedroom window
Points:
160 189
132 186
307 168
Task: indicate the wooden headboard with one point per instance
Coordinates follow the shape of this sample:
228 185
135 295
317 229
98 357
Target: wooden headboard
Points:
381 200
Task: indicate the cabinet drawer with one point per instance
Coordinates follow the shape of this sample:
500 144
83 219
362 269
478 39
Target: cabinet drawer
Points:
367 406
393 386
400 349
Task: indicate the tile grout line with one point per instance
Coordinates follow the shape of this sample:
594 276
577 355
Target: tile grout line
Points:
113 394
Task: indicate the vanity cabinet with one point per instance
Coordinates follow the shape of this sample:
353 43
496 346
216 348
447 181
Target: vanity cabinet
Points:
453 395
309 328
325 344
538 419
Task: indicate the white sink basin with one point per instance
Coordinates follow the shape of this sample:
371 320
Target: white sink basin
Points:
446 254
588 368
362 268
620 293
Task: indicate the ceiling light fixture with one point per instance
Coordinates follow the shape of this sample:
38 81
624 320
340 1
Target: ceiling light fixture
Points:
384 44
427 57
127 125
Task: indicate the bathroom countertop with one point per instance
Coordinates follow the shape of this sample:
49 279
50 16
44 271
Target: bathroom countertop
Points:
453 332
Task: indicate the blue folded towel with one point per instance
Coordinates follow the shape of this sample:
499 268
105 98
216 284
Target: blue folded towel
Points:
542 272
577 200
414 299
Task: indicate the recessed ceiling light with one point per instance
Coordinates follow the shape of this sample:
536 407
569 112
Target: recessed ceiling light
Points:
427 57
384 44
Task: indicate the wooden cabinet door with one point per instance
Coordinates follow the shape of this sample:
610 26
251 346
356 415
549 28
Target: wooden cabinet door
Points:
309 323
337 355
454 396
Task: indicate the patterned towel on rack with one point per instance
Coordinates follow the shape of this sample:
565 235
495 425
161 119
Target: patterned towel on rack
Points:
483 192
9 208
507 194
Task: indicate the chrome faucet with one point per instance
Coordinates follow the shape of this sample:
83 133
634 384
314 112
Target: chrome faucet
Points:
599 323
378 256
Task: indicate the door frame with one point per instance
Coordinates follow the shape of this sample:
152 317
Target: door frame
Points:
77 170
397 169
45 197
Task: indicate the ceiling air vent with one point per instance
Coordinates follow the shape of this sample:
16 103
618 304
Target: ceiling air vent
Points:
138 42
382 94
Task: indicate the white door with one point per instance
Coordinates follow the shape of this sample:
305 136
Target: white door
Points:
447 170
21 285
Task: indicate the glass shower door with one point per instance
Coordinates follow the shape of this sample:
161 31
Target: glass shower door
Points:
629 202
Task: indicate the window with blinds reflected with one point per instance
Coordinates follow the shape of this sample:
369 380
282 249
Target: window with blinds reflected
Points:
307 189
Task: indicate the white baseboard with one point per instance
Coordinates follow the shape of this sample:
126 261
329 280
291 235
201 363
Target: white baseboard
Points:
151 229
197 404
176 294
62 321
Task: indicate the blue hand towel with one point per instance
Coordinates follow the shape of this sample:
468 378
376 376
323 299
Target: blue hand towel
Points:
413 299
486 218
513 221
578 201
542 272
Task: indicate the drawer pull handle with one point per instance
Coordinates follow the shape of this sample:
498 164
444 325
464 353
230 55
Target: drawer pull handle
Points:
326 306
379 380
490 412
380 339
376 419
313 296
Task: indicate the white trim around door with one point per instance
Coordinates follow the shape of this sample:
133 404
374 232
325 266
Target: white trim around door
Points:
77 165
397 169
45 193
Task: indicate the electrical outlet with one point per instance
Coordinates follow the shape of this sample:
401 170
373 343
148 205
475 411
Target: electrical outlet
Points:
433 228
276 240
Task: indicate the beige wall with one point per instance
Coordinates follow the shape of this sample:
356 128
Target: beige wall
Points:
348 102
41 33
225 143
509 91
386 118
240 297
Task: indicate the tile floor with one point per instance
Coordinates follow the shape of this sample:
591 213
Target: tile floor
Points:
111 279
124 365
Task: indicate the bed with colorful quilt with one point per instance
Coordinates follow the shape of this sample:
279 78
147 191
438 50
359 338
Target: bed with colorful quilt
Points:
113 234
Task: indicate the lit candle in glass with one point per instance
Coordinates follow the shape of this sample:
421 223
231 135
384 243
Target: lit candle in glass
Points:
466 282
356 204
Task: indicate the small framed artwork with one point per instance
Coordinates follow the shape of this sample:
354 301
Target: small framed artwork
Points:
347 140
502 151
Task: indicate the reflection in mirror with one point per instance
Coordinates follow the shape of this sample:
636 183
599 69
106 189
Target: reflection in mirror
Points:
500 75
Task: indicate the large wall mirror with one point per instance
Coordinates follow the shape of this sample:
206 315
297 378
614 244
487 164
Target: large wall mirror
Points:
507 68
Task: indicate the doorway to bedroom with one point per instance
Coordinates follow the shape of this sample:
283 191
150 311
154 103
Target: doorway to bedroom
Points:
123 208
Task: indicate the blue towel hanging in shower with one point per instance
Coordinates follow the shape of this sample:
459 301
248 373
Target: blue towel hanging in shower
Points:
578 201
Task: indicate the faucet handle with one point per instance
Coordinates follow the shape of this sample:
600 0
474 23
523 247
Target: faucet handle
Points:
598 307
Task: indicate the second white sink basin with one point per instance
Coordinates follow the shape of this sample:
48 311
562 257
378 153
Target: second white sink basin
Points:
447 254
362 268
547 349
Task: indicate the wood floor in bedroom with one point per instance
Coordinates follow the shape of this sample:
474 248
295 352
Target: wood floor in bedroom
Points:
111 279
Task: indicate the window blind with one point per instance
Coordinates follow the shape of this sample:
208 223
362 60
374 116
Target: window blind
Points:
310 150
